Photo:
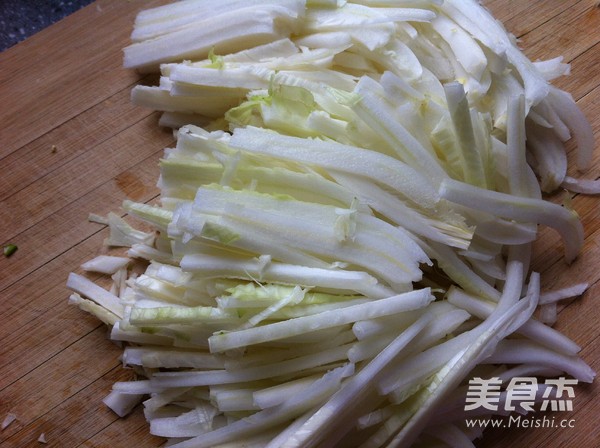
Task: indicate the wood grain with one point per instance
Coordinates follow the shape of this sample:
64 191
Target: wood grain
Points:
72 144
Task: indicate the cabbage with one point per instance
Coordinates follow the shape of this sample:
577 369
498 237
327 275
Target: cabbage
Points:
344 232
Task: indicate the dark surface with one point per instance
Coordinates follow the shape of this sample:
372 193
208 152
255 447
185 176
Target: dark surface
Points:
20 19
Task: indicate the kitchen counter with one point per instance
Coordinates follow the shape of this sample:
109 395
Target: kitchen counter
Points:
21 19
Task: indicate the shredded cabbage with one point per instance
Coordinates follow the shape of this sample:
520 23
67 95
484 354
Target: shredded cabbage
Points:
344 232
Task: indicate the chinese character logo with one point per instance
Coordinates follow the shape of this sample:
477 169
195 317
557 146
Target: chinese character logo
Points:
562 386
556 394
483 393
522 390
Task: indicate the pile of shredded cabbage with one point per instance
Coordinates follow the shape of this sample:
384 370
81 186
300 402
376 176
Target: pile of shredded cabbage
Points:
344 231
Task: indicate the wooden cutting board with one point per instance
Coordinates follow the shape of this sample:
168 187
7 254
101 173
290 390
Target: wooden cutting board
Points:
71 143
